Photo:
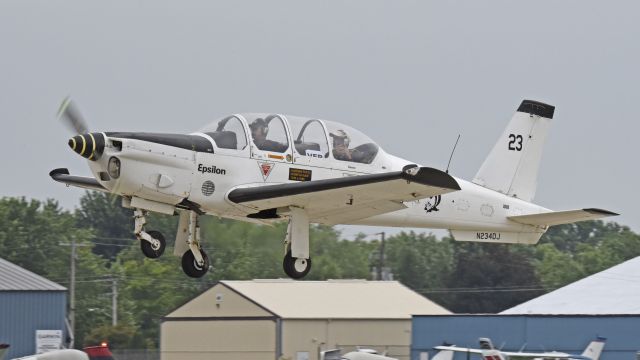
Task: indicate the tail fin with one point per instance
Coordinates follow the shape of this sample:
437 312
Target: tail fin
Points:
512 166
594 349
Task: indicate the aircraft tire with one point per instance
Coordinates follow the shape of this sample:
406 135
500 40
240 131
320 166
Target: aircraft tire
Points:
296 268
191 267
153 251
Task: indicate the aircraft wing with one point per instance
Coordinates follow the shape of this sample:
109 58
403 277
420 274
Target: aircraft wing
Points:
458 349
561 217
544 355
62 175
340 200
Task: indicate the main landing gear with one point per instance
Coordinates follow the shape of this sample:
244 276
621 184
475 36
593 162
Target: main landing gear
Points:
297 263
195 262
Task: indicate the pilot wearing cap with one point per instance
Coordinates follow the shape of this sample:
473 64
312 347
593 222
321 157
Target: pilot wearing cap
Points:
341 145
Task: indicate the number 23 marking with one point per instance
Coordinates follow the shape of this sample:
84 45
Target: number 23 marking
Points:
515 142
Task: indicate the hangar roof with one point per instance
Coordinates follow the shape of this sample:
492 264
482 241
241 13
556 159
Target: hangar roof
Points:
613 291
332 299
15 278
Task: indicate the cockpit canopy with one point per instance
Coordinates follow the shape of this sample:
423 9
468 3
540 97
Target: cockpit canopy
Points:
306 137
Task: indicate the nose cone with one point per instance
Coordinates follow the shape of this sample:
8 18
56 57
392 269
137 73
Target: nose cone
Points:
89 145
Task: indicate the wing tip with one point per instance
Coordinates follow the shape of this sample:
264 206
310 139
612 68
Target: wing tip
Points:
602 212
60 171
430 176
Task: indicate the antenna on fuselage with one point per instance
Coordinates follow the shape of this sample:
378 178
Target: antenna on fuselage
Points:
452 151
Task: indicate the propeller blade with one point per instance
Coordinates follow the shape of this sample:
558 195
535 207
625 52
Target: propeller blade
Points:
71 117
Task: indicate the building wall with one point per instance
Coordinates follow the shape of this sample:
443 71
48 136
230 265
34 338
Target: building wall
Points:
218 339
24 312
567 333
314 335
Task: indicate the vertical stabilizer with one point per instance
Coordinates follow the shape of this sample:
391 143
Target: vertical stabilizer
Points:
594 349
512 165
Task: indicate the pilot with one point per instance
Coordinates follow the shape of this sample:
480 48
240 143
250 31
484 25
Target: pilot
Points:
341 145
259 130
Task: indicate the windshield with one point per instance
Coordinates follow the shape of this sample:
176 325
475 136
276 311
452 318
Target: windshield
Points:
350 144
309 137
312 138
228 133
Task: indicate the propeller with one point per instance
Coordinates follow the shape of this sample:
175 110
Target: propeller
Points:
71 117
86 144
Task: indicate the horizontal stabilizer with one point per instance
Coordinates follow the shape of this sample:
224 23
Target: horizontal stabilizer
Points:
62 175
561 217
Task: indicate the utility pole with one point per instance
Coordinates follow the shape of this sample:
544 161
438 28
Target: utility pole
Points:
72 288
381 253
114 302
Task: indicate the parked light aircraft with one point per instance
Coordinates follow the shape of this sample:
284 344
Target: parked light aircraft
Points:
370 354
489 352
264 168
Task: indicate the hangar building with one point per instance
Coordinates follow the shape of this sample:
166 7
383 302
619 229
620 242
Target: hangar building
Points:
286 319
29 302
605 304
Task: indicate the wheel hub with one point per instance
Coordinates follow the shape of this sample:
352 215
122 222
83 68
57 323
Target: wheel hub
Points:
300 265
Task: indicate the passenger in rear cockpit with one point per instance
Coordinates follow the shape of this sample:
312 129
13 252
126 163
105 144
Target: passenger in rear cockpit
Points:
341 145
259 130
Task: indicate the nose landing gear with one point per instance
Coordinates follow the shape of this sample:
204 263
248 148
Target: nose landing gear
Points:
152 243
195 261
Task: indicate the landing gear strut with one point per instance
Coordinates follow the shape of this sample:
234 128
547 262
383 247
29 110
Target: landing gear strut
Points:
152 243
296 263
195 262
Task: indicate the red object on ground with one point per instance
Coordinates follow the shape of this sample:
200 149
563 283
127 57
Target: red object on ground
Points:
100 352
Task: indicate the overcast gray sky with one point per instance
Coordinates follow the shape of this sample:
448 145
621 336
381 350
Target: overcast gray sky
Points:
411 74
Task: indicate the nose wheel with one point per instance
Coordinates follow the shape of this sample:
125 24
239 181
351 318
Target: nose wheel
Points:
192 267
153 248
296 268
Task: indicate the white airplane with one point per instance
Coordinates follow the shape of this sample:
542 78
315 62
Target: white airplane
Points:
370 354
64 354
264 168
489 352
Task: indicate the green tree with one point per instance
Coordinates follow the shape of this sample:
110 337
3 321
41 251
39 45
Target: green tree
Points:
489 278
110 222
420 261
556 268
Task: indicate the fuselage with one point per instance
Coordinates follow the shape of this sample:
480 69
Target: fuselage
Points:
203 167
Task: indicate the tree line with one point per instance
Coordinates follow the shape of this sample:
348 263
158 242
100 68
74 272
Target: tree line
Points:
461 276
